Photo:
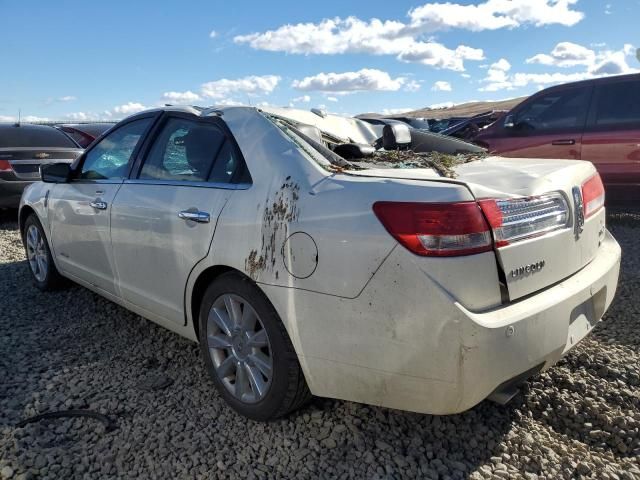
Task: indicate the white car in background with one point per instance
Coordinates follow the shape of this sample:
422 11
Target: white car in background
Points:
302 272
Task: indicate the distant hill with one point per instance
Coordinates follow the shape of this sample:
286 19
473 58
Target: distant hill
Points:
462 110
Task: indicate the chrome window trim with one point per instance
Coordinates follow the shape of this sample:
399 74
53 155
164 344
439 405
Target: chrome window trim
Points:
109 181
185 183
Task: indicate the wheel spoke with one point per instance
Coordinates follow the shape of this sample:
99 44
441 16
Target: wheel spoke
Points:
221 319
226 367
42 266
241 380
233 309
249 318
262 362
219 341
258 385
32 238
30 243
259 339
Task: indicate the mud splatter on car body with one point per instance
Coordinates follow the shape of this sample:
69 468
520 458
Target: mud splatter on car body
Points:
279 212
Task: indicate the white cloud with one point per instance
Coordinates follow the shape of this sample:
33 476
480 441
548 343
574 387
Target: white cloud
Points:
213 34
129 108
465 75
332 99
441 86
607 9
67 98
438 56
412 86
80 116
564 55
602 62
396 111
331 36
229 102
437 106
493 15
303 98
250 85
367 79
338 35
352 35
25 118
187 97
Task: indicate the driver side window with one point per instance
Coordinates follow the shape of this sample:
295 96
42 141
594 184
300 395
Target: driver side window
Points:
558 110
110 158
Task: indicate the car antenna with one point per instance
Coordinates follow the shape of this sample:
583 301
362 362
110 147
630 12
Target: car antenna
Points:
17 124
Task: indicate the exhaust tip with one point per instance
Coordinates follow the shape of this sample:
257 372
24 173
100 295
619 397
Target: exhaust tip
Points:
503 396
509 389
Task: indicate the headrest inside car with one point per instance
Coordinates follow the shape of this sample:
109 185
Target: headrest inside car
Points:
396 136
354 150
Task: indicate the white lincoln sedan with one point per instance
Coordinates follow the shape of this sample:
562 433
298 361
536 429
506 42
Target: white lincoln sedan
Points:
306 262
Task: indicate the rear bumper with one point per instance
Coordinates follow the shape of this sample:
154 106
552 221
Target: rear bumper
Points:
539 330
402 345
11 191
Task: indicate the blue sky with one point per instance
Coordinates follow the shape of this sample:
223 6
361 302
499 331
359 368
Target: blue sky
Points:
83 60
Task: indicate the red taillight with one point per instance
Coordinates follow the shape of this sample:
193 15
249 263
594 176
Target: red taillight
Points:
436 229
592 195
5 166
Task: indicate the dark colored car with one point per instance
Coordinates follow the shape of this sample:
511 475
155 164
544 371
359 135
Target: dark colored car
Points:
23 148
471 127
439 124
596 120
84 133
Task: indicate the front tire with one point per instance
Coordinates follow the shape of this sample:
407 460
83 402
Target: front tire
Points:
248 352
44 273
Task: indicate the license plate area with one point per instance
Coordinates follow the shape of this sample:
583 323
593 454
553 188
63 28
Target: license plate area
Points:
584 317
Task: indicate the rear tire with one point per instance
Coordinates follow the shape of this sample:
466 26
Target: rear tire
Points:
247 350
44 273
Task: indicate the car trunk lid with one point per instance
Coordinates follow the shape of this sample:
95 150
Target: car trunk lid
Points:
522 191
25 161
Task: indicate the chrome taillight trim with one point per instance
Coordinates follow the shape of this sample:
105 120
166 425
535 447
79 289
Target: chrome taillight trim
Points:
542 213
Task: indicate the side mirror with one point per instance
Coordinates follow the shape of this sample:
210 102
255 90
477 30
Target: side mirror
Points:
509 121
55 172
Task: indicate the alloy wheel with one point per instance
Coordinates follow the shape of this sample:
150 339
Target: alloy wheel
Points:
239 347
37 253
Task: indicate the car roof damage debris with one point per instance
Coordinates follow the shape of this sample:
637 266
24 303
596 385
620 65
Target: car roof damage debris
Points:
443 163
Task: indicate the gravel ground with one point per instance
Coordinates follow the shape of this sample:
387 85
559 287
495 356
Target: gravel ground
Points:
73 349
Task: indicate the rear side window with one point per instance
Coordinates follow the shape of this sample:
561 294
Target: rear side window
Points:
618 104
36 136
557 110
109 158
185 150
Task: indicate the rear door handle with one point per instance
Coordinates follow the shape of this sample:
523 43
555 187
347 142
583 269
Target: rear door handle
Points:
196 216
567 141
98 204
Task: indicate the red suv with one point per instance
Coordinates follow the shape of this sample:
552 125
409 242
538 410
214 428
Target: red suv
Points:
596 120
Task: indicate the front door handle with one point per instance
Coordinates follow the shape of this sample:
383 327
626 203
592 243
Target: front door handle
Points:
98 204
566 141
196 216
